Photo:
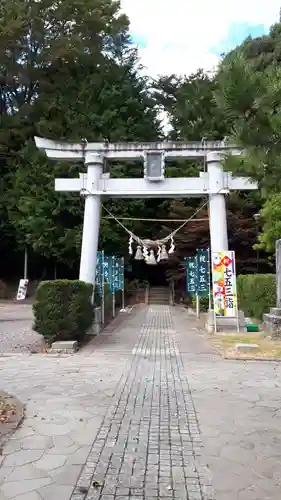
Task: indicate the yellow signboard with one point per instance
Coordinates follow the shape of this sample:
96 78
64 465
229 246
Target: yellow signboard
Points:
224 284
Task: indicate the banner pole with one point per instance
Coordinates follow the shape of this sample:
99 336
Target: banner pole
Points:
113 286
113 304
197 286
237 305
102 298
197 306
215 316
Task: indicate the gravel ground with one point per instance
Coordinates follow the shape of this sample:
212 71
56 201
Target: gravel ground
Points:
16 334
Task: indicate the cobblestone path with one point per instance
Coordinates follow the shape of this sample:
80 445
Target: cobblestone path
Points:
119 420
149 445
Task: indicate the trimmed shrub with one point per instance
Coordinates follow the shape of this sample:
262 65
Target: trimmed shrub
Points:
256 294
63 309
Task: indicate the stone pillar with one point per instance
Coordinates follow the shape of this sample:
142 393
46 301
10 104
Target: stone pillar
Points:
91 225
272 320
217 206
278 274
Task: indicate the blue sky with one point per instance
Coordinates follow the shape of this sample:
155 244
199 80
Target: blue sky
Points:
183 35
237 33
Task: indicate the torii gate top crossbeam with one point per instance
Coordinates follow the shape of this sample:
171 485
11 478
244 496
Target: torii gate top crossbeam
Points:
127 151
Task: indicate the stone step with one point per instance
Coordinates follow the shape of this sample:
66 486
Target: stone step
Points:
159 302
275 311
159 296
269 318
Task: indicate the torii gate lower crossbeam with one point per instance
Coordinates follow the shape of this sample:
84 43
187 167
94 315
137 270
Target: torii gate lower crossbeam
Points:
95 184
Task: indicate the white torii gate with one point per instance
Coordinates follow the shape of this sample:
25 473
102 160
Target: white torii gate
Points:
94 184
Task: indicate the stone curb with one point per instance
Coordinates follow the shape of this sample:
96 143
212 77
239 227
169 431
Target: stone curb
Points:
246 358
228 358
28 354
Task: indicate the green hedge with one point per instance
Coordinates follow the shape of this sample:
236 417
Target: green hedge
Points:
63 309
256 294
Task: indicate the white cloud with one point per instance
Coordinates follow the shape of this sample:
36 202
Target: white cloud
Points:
180 33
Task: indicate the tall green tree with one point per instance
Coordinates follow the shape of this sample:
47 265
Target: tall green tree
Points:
191 107
194 114
38 43
249 94
75 76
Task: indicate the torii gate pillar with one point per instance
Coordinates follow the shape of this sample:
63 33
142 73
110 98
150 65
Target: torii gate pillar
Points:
90 238
217 204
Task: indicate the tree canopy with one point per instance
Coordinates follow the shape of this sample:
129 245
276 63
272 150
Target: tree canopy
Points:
249 94
190 104
69 71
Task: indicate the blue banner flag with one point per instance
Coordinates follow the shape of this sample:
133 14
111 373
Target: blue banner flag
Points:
99 272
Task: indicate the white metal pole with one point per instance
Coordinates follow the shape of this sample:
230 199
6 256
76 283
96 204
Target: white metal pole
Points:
102 286
91 224
123 284
113 285
210 271
25 271
113 304
237 304
197 306
237 319
214 310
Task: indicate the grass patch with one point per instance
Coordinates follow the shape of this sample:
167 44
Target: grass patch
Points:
225 344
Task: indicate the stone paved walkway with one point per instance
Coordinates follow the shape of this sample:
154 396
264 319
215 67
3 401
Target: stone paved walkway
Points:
118 420
149 444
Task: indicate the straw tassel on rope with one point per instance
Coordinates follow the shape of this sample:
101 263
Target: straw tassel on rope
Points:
131 240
